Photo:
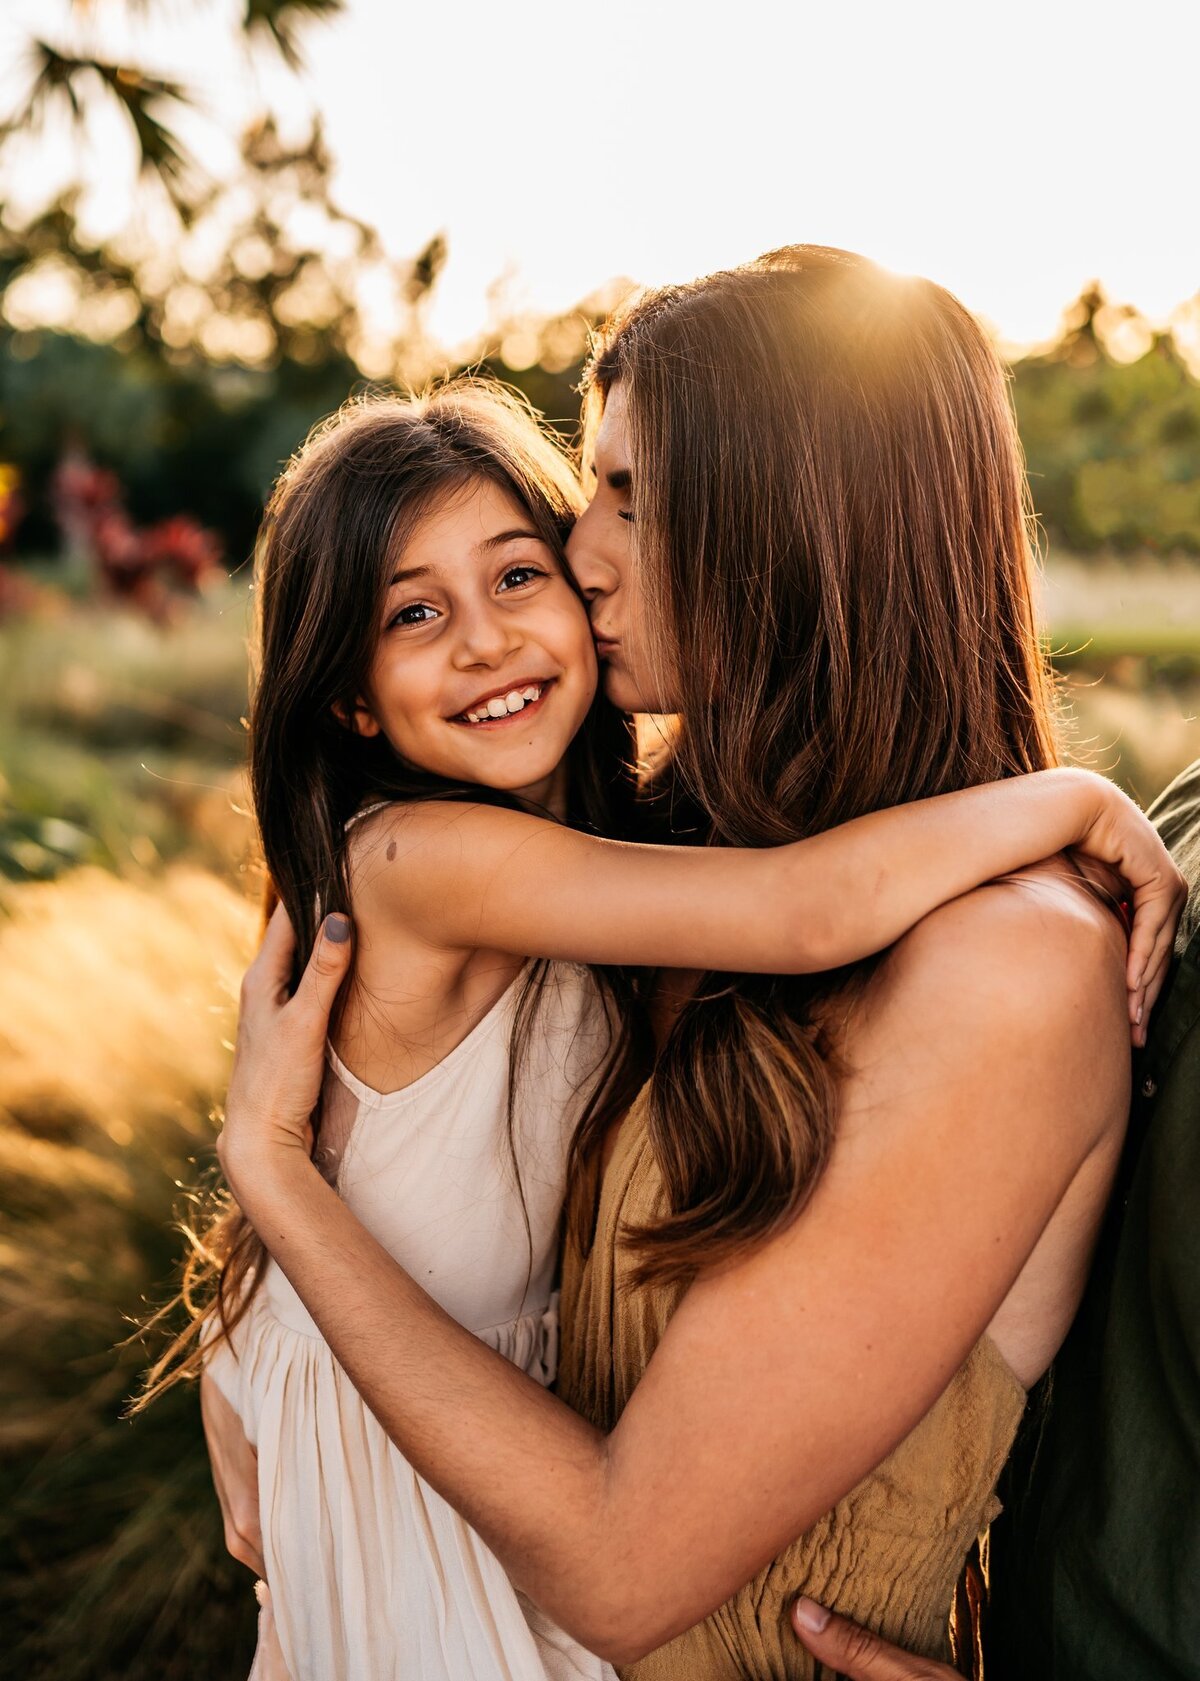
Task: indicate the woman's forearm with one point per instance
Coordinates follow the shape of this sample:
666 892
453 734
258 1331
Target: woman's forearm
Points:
525 1470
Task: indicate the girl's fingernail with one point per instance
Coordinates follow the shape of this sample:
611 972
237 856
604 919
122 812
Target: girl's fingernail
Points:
810 1615
337 927
1139 1015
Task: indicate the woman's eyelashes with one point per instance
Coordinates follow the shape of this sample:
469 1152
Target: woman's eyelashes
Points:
619 484
414 614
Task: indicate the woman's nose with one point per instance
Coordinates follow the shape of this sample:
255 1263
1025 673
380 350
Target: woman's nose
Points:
595 575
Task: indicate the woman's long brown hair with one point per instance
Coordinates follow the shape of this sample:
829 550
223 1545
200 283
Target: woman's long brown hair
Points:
339 516
835 548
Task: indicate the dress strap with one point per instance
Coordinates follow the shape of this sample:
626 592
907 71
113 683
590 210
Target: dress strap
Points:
367 811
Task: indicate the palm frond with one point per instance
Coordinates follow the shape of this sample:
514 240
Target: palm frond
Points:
282 21
58 76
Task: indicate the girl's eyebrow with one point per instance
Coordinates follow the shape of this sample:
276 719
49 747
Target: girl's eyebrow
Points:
502 537
408 573
620 480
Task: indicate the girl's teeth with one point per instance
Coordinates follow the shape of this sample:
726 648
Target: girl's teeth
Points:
501 705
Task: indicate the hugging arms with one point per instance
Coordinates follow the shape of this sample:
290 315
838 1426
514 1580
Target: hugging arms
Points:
977 1074
785 1378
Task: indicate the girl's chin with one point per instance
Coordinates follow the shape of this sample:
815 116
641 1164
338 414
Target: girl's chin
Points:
509 773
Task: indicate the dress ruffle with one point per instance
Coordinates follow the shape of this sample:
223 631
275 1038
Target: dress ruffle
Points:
372 1575
370 1616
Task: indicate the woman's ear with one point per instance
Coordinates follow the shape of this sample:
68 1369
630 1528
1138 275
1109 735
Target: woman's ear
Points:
359 718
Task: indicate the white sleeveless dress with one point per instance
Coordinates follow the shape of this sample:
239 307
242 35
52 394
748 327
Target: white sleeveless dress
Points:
372 1575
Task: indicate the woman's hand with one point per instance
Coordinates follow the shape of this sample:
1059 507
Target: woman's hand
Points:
235 1476
279 1058
858 1654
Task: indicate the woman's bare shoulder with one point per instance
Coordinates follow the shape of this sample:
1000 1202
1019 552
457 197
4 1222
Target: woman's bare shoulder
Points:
1042 936
1017 988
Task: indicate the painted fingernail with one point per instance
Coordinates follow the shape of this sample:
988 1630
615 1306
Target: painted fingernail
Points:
337 927
810 1615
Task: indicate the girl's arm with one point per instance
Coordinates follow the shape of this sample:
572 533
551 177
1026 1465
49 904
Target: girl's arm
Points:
989 1077
235 1476
478 877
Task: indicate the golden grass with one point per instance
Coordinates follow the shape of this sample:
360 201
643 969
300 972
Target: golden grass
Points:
116 1009
115 996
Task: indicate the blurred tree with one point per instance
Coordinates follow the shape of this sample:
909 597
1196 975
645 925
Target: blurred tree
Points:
1110 420
194 364
69 80
219 363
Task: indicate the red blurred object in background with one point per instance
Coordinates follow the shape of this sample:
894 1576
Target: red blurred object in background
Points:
185 549
147 566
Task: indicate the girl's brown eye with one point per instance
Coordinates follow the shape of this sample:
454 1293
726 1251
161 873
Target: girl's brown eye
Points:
401 617
522 575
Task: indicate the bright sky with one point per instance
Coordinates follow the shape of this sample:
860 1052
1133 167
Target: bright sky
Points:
1010 150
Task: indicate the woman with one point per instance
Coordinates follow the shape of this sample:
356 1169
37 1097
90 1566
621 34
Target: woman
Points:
847 1223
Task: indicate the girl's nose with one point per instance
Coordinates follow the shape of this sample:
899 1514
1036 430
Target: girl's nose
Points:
486 637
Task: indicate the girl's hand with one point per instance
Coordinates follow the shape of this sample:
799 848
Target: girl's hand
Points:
235 1476
279 1058
1121 836
858 1654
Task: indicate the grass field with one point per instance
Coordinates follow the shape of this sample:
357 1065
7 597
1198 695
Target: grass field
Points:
125 918
124 926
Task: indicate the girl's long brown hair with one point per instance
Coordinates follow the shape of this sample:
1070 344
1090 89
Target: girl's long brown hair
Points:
339 516
835 547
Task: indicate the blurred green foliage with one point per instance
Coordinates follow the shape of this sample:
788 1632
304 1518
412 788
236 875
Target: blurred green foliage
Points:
195 439
1113 447
197 378
121 745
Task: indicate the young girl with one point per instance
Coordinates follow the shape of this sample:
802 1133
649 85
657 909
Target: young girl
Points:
428 750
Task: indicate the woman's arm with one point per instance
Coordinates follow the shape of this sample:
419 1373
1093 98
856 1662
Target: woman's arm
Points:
478 877
991 1073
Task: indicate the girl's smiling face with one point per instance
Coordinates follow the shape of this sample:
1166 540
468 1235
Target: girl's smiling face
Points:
485 667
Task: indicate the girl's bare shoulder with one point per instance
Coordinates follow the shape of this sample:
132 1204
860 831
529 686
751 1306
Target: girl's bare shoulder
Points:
425 869
427 839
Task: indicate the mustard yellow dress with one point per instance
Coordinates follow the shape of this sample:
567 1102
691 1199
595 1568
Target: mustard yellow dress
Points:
889 1555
